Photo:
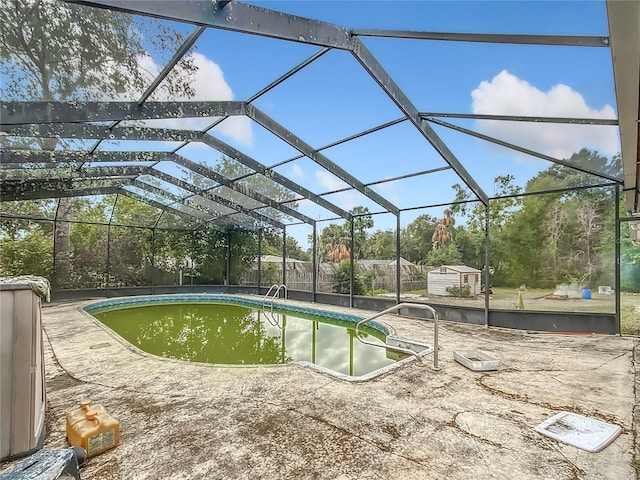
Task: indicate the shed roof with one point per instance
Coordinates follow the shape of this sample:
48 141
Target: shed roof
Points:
461 268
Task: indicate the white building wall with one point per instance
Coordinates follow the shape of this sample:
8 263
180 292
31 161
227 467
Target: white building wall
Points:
437 282
474 283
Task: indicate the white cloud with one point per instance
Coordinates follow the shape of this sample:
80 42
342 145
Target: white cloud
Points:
347 200
328 181
506 94
296 171
208 81
209 84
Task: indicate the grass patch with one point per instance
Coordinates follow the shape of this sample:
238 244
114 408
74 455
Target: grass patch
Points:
629 320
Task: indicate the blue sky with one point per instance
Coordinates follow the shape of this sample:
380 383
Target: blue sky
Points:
334 97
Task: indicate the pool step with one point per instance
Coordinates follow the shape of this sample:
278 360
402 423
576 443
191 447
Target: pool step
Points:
476 360
414 345
418 347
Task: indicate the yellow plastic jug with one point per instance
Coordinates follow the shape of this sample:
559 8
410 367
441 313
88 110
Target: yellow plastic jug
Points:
74 416
96 433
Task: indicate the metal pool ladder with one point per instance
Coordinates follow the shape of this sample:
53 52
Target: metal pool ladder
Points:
275 288
394 308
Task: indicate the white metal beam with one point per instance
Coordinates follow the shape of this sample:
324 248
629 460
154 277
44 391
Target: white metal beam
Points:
624 34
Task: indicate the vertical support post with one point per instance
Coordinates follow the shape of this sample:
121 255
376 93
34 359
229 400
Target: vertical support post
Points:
108 282
194 244
54 274
259 260
617 255
487 272
284 255
314 264
113 209
352 265
227 279
153 256
398 279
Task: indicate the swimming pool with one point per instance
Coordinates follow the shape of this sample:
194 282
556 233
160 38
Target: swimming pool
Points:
231 330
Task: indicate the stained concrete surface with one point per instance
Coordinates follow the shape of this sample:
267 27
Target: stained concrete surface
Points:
181 420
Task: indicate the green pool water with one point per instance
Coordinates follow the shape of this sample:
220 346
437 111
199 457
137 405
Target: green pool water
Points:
231 334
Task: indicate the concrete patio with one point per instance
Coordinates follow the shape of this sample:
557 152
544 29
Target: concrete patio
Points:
194 421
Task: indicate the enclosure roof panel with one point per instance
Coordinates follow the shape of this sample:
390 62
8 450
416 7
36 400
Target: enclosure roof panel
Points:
265 114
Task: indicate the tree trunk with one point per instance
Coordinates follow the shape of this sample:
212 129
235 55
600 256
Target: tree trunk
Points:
62 246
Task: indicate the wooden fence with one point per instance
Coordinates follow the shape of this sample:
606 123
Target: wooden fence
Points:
299 276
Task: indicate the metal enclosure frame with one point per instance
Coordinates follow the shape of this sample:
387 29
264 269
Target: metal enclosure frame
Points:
65 173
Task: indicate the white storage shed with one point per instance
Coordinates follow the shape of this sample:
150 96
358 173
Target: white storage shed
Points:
445 276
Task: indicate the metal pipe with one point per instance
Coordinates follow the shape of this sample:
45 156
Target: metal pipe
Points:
487 272
259 260
351 265
228 273
284 255
397 307
398 281
617 258
314 263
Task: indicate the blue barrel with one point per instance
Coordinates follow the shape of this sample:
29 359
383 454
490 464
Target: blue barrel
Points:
586 293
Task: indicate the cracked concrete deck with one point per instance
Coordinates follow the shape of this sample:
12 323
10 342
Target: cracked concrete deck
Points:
193 421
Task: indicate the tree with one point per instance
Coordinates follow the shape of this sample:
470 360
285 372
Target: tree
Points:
416 238
554 225
447 255
31 251
335 240
295 251
343 280
272 245
362 221
588 233
54 50
569 177
381 245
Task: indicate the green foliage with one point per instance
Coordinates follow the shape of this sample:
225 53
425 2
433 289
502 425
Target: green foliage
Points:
28 254
381 245
416 238
343 280
367 280
447 255
455 291
295 251
543 239
362 222
210 251
272 245
334 234
54 50
270 274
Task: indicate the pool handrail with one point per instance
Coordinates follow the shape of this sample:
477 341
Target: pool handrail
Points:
271 318
397 307
275 295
